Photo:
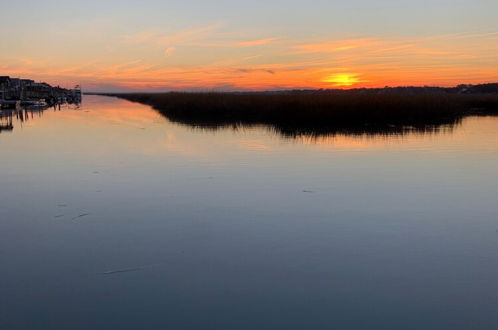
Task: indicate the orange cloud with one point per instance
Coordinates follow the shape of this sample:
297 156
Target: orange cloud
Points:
259 42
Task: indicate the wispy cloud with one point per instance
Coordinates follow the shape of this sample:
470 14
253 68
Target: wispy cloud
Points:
159 37
172 40
336 45
259 42
190 35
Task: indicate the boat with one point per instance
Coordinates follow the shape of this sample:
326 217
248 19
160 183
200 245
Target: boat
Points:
34 103
10 104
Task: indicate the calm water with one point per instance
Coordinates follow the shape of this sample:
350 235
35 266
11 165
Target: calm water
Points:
111 217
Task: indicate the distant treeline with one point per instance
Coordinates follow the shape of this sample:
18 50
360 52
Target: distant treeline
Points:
326 111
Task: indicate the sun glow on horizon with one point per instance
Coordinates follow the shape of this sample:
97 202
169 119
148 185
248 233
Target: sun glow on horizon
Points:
343 79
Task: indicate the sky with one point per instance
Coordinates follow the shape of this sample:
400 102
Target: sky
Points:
153 45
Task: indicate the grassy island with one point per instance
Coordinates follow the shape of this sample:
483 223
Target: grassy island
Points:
296 112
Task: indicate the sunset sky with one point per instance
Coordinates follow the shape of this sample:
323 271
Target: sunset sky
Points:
252 45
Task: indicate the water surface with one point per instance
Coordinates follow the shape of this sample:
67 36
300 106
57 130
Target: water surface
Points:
112 217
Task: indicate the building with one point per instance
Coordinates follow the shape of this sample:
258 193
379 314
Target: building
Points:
27 90
4 86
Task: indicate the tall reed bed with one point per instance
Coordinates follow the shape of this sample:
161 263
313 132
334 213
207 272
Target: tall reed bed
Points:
315 111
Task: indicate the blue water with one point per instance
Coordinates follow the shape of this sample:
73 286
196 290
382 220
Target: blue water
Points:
112 217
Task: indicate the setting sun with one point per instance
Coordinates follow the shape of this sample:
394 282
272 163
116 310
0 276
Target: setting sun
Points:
342 79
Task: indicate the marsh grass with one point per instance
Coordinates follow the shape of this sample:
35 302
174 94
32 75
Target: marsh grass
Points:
319 113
